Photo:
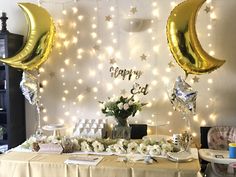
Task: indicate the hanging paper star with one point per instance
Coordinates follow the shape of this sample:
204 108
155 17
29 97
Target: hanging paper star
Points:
108 18
112 61
96 47
133 10
123 92
171 64
195 79
88 89
52 74
143 57
207 9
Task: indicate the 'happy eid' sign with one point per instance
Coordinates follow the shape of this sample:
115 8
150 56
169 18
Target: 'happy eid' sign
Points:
137 89
128 74
125 73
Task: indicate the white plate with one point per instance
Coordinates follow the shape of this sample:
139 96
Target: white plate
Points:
52 127
182 156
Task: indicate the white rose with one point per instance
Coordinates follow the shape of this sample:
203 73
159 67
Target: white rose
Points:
103 106
132 147
32 140
119 149
113 98
97 146
126 106
167 147
120 106
85 147
123 142
154 150
163 152
142 149
110 148
130 102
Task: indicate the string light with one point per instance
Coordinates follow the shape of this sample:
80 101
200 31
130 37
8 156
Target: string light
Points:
106 44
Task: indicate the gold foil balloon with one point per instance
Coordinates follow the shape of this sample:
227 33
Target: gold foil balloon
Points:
39 40
183 40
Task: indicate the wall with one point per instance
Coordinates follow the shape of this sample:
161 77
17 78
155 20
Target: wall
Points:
77 76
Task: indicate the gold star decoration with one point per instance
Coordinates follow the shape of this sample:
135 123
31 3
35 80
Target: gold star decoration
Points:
88 89
207 9
143 57
171 64
52 74
108 18
96 47
133 10
195 79
123 92
112 61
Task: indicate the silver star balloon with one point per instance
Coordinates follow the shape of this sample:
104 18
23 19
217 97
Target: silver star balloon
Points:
30 87
183 97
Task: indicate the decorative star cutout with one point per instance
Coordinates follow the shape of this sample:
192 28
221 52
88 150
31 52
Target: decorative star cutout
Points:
133 10
195 79
112 61
52 74
108 18
143 57
123 92
96 47
207 9
88 89
171 64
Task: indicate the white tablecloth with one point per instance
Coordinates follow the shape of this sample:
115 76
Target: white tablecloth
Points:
29 164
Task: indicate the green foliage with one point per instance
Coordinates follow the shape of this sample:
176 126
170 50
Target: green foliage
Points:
122 107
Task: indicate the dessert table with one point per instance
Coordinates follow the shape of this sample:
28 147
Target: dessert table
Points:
32 164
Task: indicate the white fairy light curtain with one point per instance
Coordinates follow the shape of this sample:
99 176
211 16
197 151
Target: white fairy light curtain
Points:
100 40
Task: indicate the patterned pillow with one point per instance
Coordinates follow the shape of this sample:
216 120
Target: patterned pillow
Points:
219 137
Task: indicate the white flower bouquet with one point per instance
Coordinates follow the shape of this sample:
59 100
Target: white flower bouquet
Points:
121 107
118 146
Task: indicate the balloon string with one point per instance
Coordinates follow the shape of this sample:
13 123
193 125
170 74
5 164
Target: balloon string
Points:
39 131
186 75
39 114
39 3
38 102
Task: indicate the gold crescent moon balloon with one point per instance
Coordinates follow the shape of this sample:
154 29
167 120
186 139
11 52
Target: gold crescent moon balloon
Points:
183 41
39 40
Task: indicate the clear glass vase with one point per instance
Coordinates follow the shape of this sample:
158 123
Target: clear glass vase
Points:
121 130
122 122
